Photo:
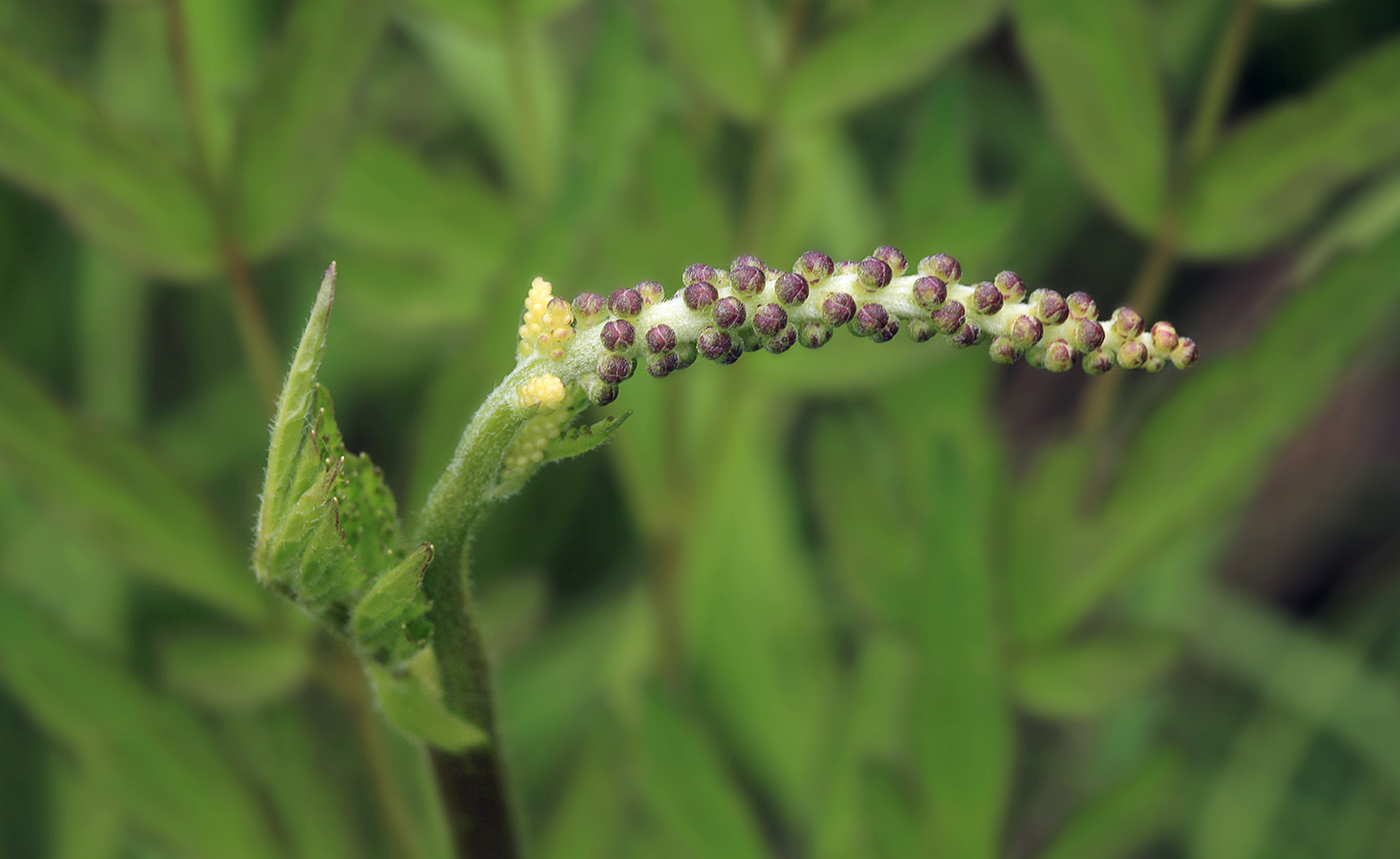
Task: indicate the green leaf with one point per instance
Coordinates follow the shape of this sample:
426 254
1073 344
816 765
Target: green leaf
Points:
153 756
963 732
582 439
425 241
124 191
1200 455
298 126
111 492
888 50
233 672
755 634
592 813
1327 684
414 708
1273 174
1086 679
685 785
385 618
1123 819
1093 63
719 46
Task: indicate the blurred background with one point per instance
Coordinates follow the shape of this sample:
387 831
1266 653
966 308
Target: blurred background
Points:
874 600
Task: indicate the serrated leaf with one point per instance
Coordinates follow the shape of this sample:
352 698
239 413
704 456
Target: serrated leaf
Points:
417 710
298 126
582 439
233 672
717 46
150 754
889 49
1085 679
1093 63
1275 172
388 618
124 191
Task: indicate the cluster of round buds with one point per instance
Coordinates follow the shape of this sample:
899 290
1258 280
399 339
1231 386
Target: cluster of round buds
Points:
721 314
548 324
548 394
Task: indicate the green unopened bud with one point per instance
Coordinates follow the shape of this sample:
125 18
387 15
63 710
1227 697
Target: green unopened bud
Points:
1003 351
781 341
1127 323
1081 306
661 366
1026 331
651 292
921 330
1164 338
1185 354
1085 335
814 334
1132 354
941 266
1011 286
1098 362
599 392
893 258
1059 356
814 266
589 309
1050 307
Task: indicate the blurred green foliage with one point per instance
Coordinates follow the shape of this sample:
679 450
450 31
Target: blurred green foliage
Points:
867 601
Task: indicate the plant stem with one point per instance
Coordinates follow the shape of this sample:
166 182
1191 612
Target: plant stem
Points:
473 782
253 331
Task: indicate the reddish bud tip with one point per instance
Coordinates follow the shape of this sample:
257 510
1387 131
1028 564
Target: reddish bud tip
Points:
942 266
1086 335
697 273
1132 354
1081 306
700 295
873 274
949 317
1049 306
661 338
713 344
791 289
930 292
1127 323
746 260
838 309
599 392
625 303
893 258
1185 353
1098 362
769 319
782 341
887 331
1026 331
1059 356
661 366
1003 351
1011 286
967 335
615 368
815 266
921 330
986 298
1164 337
814 334
589 309
869 319
650 291
617 335
747 280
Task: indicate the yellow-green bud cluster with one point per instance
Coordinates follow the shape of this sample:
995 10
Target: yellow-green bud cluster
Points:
721 314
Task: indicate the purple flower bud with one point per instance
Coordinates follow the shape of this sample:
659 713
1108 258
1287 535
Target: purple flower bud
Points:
949 317
893 258
838 309
847 267
874 274
746 260
1049 307
769 319
615 368
1164 337
930 292
589 309
869 319
1059 356
729 312
713 343
1127 323
700 295
1026 331
1132 354
661 366
815 266
686 354
650 291
791 289
1154 363
599 392
941 266
782 341
732 354
1081 306
1011 286
986 298
814 334
921 329
1185 354
617 335
1003 351
886 333
699 272
1098 362
625 303
1085 335
747 280
967 335
661 338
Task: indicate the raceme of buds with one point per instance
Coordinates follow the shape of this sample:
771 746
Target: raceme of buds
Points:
596 344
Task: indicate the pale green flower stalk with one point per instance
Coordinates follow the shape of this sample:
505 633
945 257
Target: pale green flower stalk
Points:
328 534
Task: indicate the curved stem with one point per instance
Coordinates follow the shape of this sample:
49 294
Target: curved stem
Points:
473 782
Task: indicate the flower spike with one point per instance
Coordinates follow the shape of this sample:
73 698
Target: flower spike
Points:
720 314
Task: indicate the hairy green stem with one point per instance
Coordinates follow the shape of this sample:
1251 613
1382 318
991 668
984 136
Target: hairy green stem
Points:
473 782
